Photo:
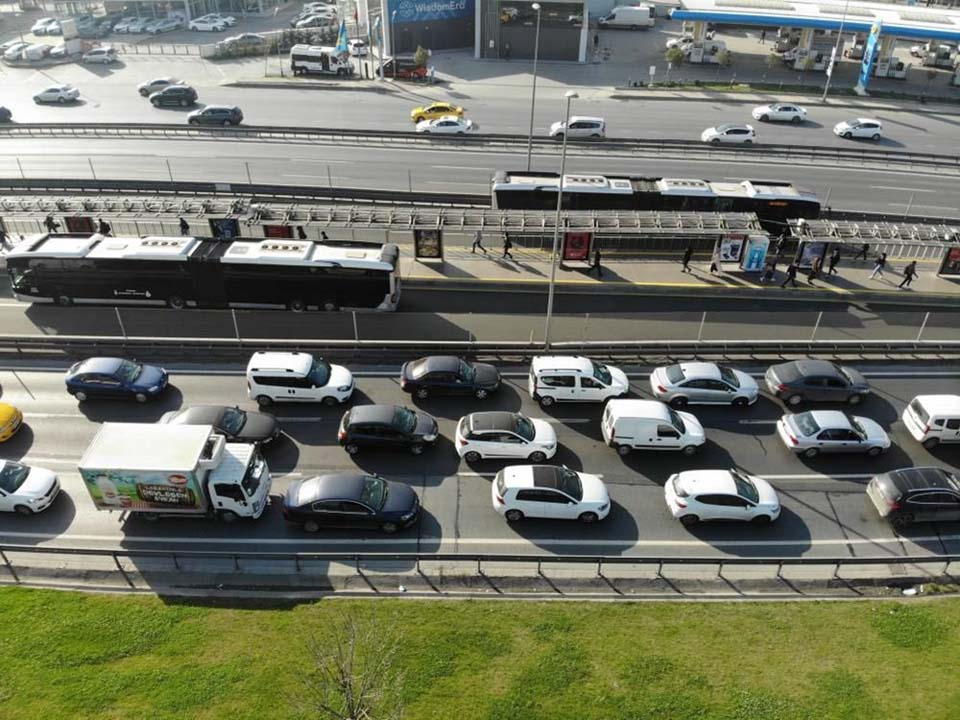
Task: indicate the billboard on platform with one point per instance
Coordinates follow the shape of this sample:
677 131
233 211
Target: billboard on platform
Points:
415 11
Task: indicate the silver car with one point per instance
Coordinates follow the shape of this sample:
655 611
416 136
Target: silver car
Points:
817 431
702 383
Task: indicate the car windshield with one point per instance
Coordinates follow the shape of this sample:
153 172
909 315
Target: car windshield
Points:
12 476
319 372
806 424
466 371
857 427
233 420
569 482
128 371
674 373
602 373
251 481
677 421
846 376
745 487
404 419
524 428
418 369
374 492
729 377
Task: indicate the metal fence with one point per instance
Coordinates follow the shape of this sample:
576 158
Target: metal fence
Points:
156 48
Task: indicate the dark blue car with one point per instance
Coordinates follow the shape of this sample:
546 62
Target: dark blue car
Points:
115 378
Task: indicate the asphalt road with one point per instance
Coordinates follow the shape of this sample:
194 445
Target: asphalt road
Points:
369 165
825 509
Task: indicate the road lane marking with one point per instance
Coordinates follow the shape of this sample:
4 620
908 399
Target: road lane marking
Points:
570 421
817 476
461 167
42 416
900 189
758 422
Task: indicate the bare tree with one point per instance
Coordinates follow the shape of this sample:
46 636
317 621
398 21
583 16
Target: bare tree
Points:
353 674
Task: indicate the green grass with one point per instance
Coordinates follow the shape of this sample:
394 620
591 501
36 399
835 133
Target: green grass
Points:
75 656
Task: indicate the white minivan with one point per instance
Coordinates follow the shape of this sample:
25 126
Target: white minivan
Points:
933 419
650 425
296 377
631 17
567 378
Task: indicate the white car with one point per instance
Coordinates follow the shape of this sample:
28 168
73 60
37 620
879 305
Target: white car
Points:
446 125
681 42
123 25
149 87
358 48
208 24
504 435
138 25
316 21
14 51
228 20
57 94
780 112
915 50
579 127
829 431
164 25
548 491
696 495
729 133
40 26
859 128
100 55
26 490
59 51
703 383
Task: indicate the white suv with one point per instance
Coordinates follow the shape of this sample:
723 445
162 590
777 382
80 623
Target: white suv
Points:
563 378
579 127
296 377
730 134
504 435
548 491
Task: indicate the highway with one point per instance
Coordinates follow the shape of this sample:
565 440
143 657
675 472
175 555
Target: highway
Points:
825 509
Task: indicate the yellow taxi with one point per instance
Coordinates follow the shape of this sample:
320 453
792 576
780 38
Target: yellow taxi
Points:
434 111
10 421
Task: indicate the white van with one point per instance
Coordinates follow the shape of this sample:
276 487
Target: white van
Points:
631 17
650 425
317 60
565 378
37 51
933 419
296 377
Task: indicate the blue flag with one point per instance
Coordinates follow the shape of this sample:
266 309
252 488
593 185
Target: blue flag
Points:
342 46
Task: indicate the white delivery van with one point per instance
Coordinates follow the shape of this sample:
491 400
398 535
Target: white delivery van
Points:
317 60
37 51
296 377
630 17
565 378
933 419
650 425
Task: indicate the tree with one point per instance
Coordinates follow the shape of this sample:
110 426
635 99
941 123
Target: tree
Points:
420 56
674 56
353 676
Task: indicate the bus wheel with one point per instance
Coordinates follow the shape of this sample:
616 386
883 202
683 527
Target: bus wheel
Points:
297 305
176 302
64 300
329 305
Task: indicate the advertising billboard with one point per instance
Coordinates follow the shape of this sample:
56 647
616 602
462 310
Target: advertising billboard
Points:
755 253
869 53
120 490
416 11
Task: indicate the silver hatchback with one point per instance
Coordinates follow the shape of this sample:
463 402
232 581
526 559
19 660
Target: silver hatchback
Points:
701 383
817 431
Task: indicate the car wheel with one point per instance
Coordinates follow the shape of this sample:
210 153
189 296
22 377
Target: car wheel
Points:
472 456
144 93
513 515
80 395
330 401
64 300
297 306
228 516
558 137
874 451
847 135
329 306
930 443
688 520
901 522
689 450
480 394
176 302
588 517
761 520
748 142
417 448
422 393
264 400
764 118
546 401
810 452
854 400
876 136
22 510
61 100
537 457
715 141
389 528
311 526
351 448
740 402
678 402
459 132
623 450
794 400
796 119
140 397
193 122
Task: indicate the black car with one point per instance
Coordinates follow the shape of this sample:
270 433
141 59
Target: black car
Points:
180 95
448 375
388 427
231 422
216 115
350 500
816 381
5 115
916 494
115 378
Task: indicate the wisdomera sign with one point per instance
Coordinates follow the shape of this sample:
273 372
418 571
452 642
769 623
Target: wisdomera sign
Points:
412 11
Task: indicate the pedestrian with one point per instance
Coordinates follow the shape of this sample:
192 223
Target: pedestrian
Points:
687 254
184 227
52 225
778 254
102 227
301 233
596 263
323 236
878 266
433 74
478 242
3 237
763 36
864 249
814 271
769 271
834 259
506 50
506 247
596 41
909 273
791 274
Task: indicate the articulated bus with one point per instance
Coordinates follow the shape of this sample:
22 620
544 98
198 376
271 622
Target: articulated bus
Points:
184 272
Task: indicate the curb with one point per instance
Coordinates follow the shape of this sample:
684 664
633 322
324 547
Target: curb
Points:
363 86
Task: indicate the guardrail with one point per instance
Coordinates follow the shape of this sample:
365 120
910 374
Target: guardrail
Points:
645 147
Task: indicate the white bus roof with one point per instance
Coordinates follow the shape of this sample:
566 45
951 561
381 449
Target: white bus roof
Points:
580 183
304 252
146 446
161 248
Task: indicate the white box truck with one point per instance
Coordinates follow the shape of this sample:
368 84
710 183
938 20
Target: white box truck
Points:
631 17
182 470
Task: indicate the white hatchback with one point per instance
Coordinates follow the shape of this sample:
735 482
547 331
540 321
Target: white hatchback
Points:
446 125
579 127
57 94
696 495
26 490
859 128
822 431
780 112
729 133
504 435
549 491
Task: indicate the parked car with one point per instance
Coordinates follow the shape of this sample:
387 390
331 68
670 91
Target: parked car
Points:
859 128
5 114
40 26
182 95
801 381
822 431
216 115
404 68
573 378
780 112
15 50
101 55
228 20
933 419
350 500
11 420
358 48
697 495
548 491
449 125
115 378
729 133
234 424
245 40
448 375
54 28
26 490
703 383
138 25
57 94
149 87
59 51
315 21
37 51
916 494
164 25
504 435
388 427
208 24
435 110
123 25
579 128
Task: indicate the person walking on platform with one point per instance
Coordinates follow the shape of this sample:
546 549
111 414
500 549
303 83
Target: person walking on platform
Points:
506 248
909 273
478 243
184 227
865 248
834 259
596 263
791 275
879 264
687 254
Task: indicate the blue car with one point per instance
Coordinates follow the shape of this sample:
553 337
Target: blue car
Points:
115 378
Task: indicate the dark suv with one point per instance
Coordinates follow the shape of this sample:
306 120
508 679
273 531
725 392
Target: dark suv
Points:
924 494
182 95
216 115
390 427
816 381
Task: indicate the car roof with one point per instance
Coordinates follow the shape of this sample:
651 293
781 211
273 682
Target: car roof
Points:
493 420
292 362
867 120
330 487
199 415
804 368
544 363
106 365
831 419
440 363
528 476
703 482
585 118
382 414
939 403
700 370
921 478
631 407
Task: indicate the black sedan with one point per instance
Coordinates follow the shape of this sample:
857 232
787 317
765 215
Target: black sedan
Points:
390 427
816 381
350 500
233 423
448 375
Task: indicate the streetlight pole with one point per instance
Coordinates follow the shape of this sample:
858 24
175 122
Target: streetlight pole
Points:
533 95
393 48
569 95
836 49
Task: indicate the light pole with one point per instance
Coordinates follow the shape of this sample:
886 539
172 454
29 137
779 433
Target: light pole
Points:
569 95
836 49
393 48
533 95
